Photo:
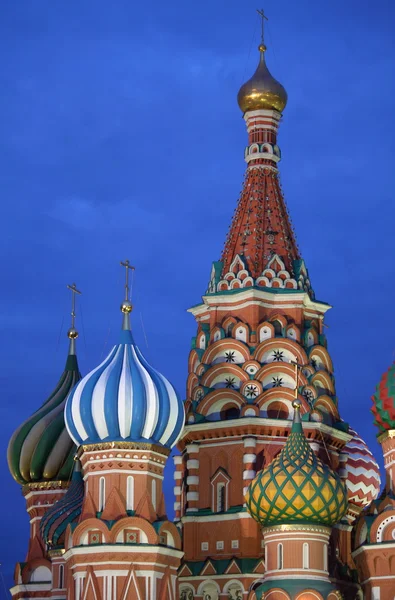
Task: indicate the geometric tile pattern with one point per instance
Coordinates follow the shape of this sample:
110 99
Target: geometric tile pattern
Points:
297 487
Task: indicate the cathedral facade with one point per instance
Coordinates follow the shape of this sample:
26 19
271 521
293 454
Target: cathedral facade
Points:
275 495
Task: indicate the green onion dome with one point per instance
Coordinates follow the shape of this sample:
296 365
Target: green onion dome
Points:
41 449
66 511
297 487
384 401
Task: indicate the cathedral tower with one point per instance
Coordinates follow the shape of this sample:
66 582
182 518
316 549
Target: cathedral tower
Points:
260 335
41 458
374 540
124 417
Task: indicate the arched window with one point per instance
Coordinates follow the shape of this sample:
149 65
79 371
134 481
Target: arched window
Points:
325 561
153 493
221 499
102 493
130 493
231 412
241 334
306 557
61 577
278 328
280 557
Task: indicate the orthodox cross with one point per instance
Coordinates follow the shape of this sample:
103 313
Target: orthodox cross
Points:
128 267
263 17
297 367
74 291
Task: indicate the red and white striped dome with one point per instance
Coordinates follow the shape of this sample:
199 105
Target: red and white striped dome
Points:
361 472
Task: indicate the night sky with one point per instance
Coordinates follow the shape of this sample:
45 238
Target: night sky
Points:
121 137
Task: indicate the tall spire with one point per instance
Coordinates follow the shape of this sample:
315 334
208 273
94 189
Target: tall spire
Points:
261 238
126 306
72 333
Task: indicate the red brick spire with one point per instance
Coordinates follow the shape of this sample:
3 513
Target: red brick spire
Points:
261 227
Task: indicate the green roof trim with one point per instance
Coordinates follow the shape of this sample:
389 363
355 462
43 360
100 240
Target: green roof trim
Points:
295 586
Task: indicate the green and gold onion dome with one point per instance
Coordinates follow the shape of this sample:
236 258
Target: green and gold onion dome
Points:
297 487
41 449
262 91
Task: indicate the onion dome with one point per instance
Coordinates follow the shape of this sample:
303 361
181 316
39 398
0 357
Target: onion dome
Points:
67 510
361 472
297 487
41 449
384 401
262 91
124 399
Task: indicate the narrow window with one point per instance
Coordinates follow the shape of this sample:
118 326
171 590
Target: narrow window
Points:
325 557
102 493
305 556
280 556
130 493
221 497
61 576
153 493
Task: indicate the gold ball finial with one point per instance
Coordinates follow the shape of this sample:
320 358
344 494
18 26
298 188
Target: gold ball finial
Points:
262 47
72 334
126 307
297 404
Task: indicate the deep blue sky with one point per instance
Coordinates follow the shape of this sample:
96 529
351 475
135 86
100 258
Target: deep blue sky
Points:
121 137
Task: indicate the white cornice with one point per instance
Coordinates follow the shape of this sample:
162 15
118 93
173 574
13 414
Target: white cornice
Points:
368 547
122 549
246 421
253 296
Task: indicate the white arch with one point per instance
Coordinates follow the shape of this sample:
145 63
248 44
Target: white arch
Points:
233 582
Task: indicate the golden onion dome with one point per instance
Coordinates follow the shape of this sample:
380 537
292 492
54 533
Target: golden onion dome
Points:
297 487
262 91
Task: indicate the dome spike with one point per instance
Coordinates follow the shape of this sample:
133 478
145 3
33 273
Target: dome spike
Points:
126 306
72 333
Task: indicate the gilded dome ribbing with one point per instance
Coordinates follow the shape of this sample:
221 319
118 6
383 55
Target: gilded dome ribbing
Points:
297 487
262 91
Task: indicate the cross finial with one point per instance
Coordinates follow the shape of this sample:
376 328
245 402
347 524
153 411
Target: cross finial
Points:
261 13
127 266
126 306
72 333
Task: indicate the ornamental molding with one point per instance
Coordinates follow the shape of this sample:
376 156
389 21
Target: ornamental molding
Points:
296 528
123 446
386 435
44 485
243 297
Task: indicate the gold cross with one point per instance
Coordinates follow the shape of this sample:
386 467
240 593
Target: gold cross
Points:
263 17
74 291
297 367
127 266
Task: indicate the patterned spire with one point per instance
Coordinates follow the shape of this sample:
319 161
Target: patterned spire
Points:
260 227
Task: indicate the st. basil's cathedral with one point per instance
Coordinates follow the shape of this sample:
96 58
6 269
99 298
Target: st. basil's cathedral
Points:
276 497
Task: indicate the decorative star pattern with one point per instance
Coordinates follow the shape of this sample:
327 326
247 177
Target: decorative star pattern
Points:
278 355
230 382
230 356
309 396
277 381
251 391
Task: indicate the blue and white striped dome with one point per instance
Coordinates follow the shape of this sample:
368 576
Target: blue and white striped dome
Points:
124 399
